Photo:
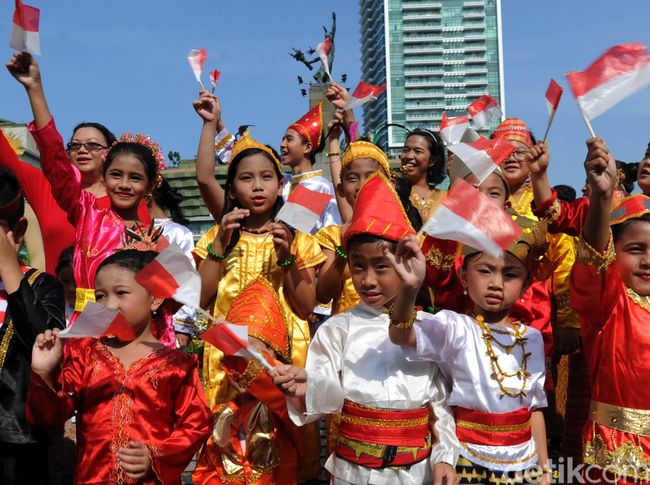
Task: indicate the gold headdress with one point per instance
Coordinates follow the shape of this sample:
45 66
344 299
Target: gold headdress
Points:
364 149
246 142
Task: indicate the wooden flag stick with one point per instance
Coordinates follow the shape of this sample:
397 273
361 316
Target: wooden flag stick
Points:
548 125
586 118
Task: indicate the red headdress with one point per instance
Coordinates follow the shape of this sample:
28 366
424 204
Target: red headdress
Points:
378 211
310 126
258 307
630 208
513 129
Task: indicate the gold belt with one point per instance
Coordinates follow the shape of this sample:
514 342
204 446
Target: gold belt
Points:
82 297
628 420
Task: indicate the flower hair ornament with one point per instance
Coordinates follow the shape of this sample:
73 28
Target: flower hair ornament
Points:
147 142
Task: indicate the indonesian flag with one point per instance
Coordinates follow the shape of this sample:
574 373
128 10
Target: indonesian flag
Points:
171 275
98 320
553 95
483 156
214 78
364 93
617 74
471 218
323 49
233 340
452 129
24 31
303 208
196 59
484 110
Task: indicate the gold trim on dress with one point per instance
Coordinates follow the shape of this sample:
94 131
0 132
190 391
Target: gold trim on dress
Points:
627 420
626 460
440 260
377 451
461 423
642 301
385 423
552 213
586 254
297 179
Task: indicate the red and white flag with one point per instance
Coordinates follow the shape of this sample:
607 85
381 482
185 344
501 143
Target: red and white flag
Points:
214 78
24 31
471 218
98 320
364 93
303 208
452 129
553 95
323 50
483 156
618 73
171 275
484 110
196 59
233 340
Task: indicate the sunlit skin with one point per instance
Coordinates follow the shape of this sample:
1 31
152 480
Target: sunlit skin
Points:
633 256
295 151
515 167
88 162
66 277
494 284
493 186
373 276
126 184
354 175
643 173
416 160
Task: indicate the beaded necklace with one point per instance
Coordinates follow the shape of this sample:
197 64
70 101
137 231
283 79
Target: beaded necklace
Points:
262 230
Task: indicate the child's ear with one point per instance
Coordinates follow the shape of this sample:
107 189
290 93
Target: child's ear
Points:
156 304
307 148
462 274
339 190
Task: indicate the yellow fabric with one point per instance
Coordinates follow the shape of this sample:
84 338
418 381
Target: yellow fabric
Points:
82 297
329 238
252 257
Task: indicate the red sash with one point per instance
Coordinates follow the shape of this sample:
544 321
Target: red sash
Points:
481 428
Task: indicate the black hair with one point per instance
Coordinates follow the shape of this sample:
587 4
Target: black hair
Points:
565 192
65 259
629 171
618 229
314 150
168 198
131 259
141 152
231 204
435 173
9 190
365 238
108 134
403 189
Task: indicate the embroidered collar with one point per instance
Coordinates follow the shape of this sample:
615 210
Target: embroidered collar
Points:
642 301
296 179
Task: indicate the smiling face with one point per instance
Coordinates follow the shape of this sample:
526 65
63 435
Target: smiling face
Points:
416 158
353 176
126 182
86 149
494 284
515 168
294 149
255 185
633 256
373 276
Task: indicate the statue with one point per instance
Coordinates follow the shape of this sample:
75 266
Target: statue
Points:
321 75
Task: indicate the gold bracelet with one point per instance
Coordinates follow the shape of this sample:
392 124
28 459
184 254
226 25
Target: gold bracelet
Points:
403 325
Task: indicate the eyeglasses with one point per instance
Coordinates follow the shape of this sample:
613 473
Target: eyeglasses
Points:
89 147
520 155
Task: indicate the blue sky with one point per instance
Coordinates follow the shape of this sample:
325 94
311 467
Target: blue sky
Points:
124 64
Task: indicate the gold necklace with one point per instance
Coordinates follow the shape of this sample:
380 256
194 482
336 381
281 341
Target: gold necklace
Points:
497 372
422 204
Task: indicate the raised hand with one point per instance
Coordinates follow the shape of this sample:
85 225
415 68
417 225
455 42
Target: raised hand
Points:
408 261
230 222
282 240
337 95
335 126
600 168
538 158
291 380
134 460
47 354
24 68
208 107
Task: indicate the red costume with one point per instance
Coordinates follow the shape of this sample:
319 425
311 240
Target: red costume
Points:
158 400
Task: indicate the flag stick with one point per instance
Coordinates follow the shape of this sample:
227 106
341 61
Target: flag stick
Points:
213 88
201 84
548 125
589 127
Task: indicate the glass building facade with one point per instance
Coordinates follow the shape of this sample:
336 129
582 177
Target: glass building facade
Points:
434 56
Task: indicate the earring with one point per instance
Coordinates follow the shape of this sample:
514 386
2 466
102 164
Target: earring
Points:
465 291
154 313
522 300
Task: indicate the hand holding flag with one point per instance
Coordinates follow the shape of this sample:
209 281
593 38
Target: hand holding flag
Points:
214 79
98 320
233 340
552 98
24 31
197 58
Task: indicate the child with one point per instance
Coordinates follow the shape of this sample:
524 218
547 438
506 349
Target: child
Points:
610 291
141 412
253 439
496 364
386 403
248 244
30 303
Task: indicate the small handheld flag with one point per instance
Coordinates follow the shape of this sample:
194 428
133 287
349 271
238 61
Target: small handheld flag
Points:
552 98
484 110
24 30
452 129
483 156
303 208
197 58
98 320
364 93
233 340
214 79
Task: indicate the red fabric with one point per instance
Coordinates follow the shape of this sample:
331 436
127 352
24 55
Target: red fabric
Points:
492 437
309 199
158 400
26 16
481 104
160 282
553 94
401 459
310 126
364 90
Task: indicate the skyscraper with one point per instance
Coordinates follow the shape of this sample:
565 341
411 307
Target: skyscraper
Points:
434 56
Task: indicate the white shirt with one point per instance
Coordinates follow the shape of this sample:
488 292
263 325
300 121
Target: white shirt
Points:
351 357
455 341
317 183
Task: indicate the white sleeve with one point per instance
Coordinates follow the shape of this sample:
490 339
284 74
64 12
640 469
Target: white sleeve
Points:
324 360
447 447
438 337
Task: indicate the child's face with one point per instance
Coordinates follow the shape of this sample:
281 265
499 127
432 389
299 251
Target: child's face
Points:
633 256
416 158
373 276
353 176
494 284
126 181
256 186
515 168
116 288
493 186
88 161
66 277
293 148
643 173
